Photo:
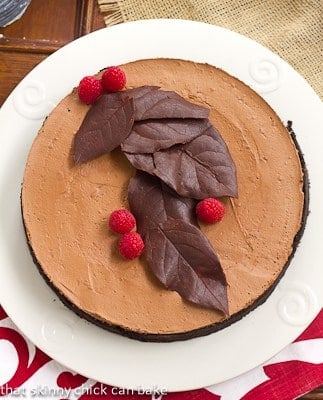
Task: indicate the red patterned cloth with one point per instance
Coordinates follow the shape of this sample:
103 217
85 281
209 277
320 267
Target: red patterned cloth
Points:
27 372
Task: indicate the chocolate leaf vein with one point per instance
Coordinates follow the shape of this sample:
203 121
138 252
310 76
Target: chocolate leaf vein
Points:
185 261
105 126
154 135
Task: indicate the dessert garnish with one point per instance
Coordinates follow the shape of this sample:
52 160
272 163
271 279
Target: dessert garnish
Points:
153 103
200 168
176 250
122 221
182 158
210 210
183 260
154 135
153 202
113 79
107 123
131 245
89 89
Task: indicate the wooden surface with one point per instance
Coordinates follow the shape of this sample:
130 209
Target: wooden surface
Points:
45 27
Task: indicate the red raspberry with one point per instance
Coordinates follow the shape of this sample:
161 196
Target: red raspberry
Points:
122 221
131 245
210 210
89 89
113 79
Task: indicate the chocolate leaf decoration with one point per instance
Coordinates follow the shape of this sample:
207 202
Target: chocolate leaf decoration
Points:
183 260
143 162
137 93
153 135
107 123
199 169
152 202
151 103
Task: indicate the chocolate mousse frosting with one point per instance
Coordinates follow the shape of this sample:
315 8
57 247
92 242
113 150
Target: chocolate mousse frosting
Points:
66 206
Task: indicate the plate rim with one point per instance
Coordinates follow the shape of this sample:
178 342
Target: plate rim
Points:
139 27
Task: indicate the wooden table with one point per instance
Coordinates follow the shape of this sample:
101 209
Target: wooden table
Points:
44 28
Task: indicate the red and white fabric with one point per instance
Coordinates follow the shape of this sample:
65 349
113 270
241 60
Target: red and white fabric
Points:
26 372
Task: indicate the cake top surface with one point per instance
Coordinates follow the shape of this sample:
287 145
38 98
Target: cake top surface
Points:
65 209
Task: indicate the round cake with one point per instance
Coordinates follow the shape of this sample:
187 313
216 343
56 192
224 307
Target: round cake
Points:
66 205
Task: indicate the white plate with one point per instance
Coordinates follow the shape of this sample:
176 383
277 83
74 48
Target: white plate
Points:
108 357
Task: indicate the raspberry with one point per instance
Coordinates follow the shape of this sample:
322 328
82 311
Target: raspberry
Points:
210 210
89 89
131 245
122 221
113 79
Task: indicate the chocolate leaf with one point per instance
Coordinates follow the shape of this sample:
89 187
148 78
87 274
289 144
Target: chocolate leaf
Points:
143 162
199 169
152 202
163 104
153 135
183 260
138 92
107 123
178 253
151 103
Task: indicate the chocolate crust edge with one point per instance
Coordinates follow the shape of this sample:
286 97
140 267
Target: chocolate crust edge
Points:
206 330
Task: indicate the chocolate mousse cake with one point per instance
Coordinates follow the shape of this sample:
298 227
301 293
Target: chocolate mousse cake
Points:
180 132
